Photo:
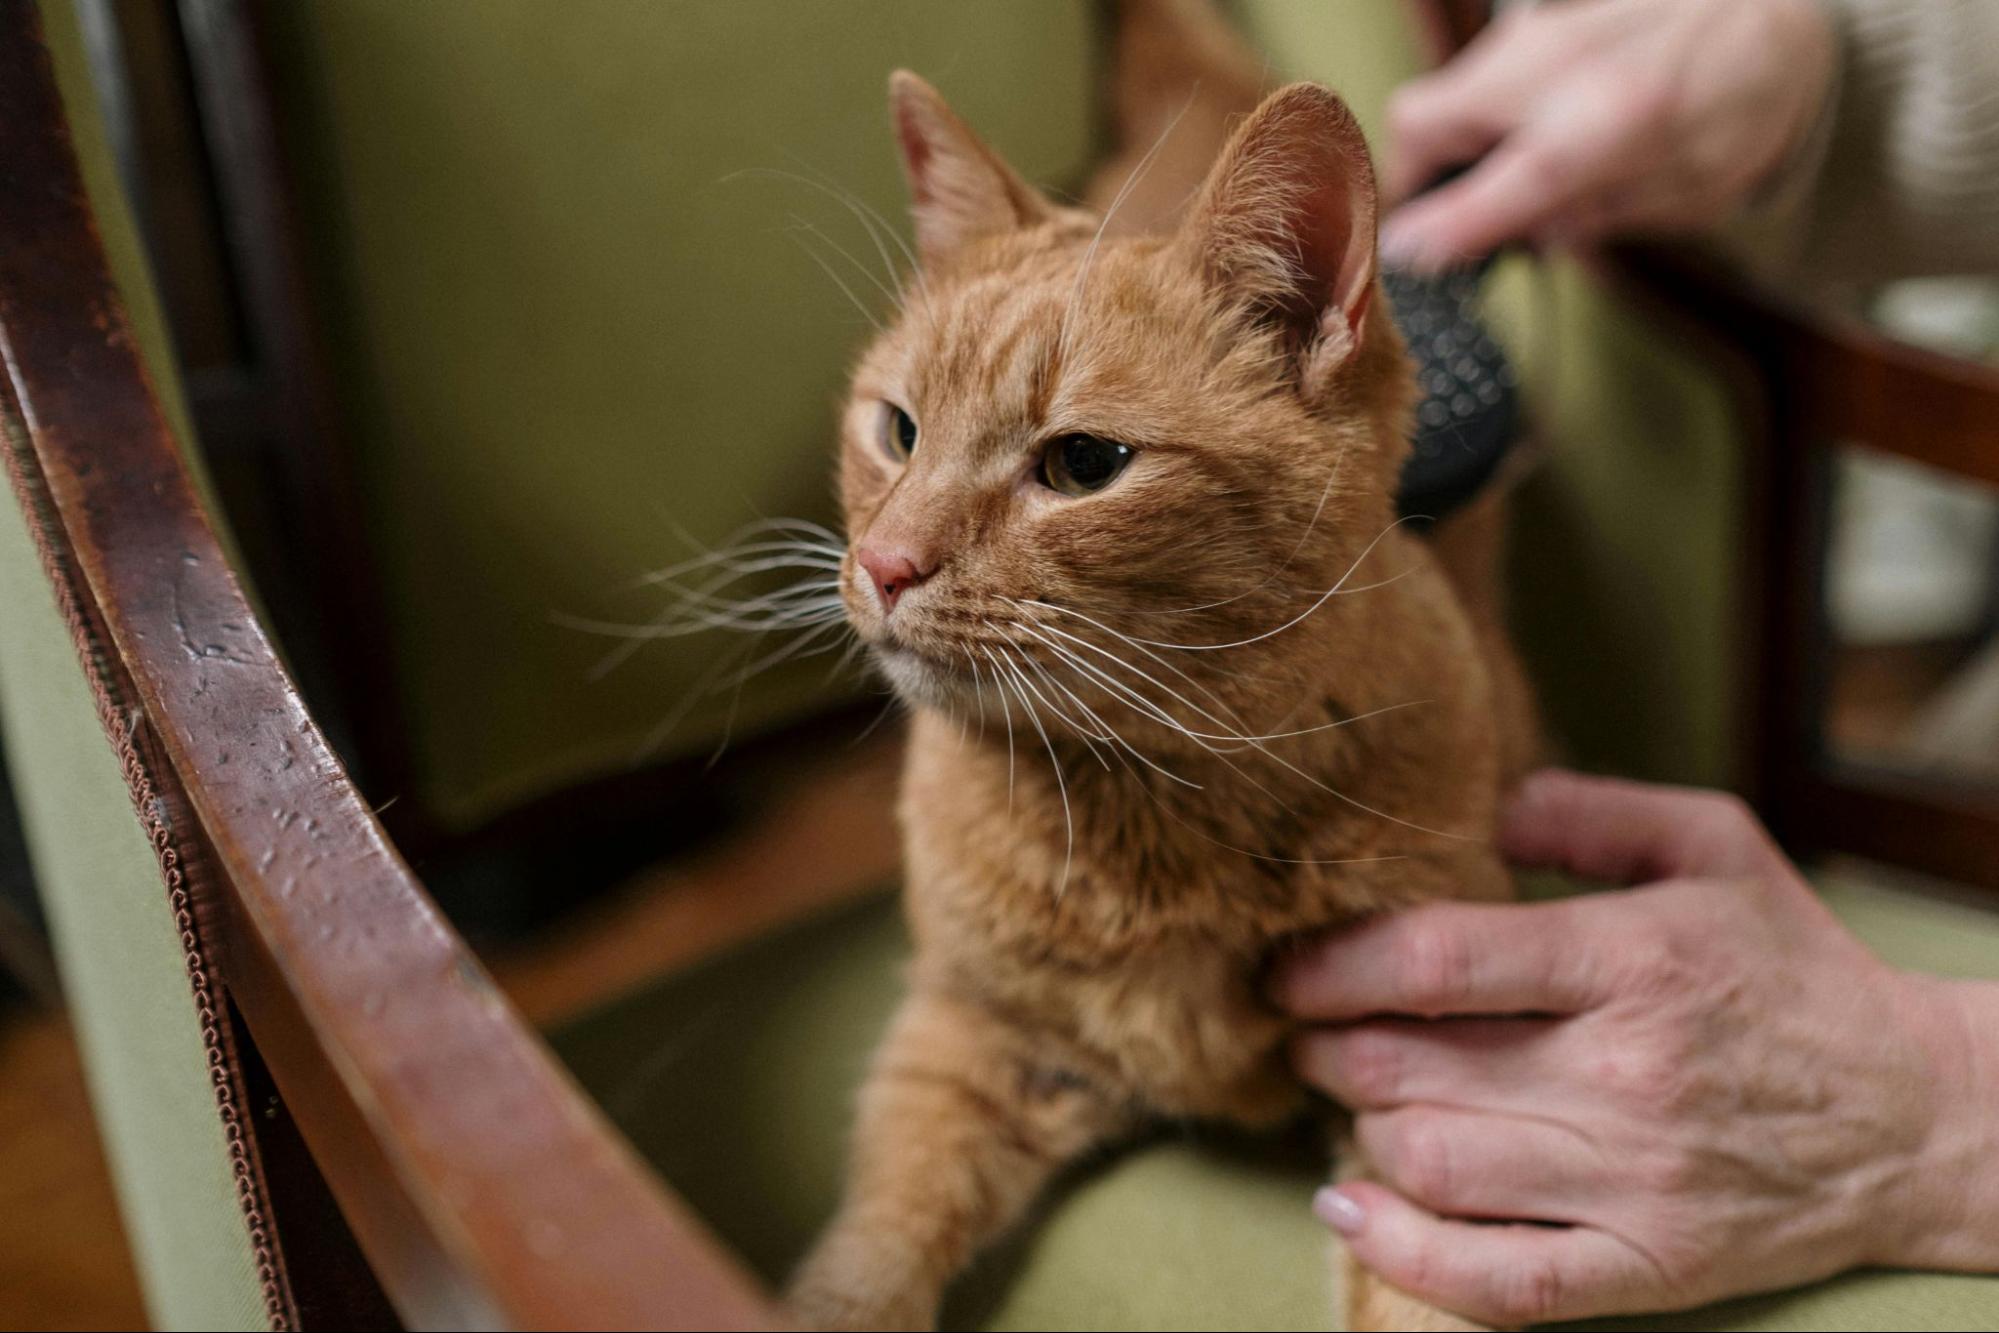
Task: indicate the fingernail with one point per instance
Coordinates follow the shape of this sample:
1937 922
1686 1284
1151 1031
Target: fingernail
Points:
1338 1211
1400 245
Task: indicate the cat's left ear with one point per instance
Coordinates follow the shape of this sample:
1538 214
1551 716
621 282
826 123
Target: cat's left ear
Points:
959 188
1286 223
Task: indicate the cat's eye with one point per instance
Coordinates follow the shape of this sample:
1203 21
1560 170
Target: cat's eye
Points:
1079 465
898 432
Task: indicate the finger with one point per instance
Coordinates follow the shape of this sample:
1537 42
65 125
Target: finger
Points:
1387 1062
1448 958
1631 832
1475 1164
1430 130
1508 1275
1529 179
1452 115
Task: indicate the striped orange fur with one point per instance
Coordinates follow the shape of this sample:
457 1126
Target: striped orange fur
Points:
1160 727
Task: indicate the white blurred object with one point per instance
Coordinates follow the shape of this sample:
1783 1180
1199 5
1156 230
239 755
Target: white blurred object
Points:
1911 552
1912 549
1956 316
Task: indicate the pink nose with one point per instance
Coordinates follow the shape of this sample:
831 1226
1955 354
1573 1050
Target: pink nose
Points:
892 573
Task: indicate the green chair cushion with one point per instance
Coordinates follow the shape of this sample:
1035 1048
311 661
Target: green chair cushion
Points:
735 1079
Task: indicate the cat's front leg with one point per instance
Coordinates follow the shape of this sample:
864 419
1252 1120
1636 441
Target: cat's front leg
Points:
1371 1304
962 1121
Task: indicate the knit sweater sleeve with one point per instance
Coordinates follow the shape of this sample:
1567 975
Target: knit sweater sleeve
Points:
1900 177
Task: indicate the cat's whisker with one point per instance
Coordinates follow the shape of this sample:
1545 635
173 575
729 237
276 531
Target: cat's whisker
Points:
704 613
1222 757
1081 732
1324 597
1160 715
879 718
1294 769
806 644
1153 710
1061 786
891 294
1117 202
822 588
978 689
1325 493
846 658
1117 740
754 557
636 636
838 281
701 689
1111 733
700 587
1232 719
1007 711
870 219
1104 731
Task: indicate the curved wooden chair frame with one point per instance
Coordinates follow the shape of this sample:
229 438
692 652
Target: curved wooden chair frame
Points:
483 1187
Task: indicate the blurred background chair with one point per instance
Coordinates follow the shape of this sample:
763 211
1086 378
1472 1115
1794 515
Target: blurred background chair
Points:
1873 463
477 318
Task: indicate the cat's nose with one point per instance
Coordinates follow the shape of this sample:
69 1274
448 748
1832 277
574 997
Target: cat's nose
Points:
892 572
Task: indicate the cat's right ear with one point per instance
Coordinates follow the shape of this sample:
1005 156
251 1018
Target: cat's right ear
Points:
1285 224
959 189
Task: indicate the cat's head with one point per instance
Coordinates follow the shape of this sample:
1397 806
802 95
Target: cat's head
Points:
1065 435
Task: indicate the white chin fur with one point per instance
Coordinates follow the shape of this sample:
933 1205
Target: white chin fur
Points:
915 681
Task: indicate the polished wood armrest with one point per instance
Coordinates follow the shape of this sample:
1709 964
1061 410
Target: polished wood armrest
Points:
482 1186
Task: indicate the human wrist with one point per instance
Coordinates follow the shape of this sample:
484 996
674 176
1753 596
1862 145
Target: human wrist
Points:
1812 34
1949 1218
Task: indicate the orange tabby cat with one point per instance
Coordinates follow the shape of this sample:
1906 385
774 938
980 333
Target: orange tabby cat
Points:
1122 534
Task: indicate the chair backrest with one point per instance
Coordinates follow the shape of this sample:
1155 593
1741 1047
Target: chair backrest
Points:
581 275
331 1008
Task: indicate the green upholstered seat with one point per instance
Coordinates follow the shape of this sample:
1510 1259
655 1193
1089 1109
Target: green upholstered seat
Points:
735 1080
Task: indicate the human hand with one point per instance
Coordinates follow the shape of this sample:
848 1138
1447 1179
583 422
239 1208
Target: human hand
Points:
1706 1084
1595 117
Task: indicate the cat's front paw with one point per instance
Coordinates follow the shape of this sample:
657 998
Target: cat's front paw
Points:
818 1306
843 1286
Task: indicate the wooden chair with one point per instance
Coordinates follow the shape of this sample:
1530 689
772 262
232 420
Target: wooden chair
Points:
397 1143
480 1184
1807 382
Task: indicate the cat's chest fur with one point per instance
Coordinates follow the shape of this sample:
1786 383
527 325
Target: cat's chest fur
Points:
1132 936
